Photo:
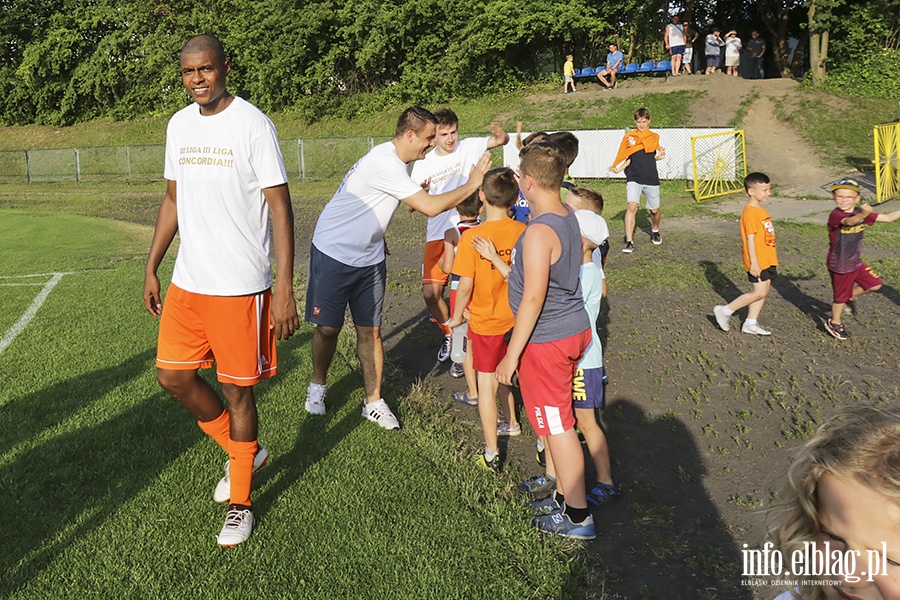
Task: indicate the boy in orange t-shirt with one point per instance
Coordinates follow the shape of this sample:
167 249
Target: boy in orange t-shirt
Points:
490 316
760 258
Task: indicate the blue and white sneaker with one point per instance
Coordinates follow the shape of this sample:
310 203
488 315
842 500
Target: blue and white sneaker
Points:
538 485
545 506
602 493
559 523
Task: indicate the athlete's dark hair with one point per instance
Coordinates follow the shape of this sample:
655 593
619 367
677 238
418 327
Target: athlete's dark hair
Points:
413 119
754 179
642 113
545 162
471 206
568 142
500 187
204 43
445 116
591 197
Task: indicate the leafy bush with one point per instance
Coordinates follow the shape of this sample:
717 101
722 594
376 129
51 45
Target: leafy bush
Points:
872 75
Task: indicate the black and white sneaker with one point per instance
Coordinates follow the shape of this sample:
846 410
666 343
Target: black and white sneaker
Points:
628 248
655 237
444 353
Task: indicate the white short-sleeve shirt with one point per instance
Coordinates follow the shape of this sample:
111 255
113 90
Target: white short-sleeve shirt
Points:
220 164
352 225
447 173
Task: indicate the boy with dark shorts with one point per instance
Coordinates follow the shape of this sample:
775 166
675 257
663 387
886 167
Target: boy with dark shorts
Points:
490 317
551 333
850 276
760 258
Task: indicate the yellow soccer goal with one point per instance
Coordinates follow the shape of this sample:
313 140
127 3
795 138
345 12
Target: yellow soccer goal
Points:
720 164
887 173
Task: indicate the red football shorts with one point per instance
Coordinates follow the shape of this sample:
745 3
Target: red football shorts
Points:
842 283
546 372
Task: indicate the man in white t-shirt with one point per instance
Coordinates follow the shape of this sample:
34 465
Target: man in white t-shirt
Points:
347 264
674 40
444 169
225 177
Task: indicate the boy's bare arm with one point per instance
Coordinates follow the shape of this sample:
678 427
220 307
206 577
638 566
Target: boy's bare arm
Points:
463 295
864 211
486 248
751 250
888 217
449 250
537 250
435 205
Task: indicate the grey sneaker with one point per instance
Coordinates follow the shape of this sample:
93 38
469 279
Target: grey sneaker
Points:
505 429
559 523
238 527
538 485
444 353
655 238
457 371
545 506
315 398
722 318
379 412
222 493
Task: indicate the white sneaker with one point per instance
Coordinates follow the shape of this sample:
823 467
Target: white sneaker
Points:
315 398
754 329
222 492
722 318
444 352
238 527
380 413
457 371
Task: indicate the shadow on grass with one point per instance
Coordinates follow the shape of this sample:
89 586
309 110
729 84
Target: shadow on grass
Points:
61 490
891 293
811 306
719 281
665 527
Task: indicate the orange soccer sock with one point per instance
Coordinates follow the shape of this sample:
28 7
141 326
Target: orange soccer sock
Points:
218 429
242 455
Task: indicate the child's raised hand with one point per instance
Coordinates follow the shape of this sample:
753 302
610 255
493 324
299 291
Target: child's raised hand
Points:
480 168
484 247
865 207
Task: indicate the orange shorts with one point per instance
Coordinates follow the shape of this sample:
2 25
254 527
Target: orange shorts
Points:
431 263
232 332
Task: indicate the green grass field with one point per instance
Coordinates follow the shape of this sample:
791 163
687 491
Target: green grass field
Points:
109 482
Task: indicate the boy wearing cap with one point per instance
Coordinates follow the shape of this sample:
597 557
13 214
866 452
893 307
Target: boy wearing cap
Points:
760 257
850 276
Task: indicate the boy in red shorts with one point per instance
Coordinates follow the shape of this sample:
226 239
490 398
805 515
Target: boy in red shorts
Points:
850 276
490 316
551 333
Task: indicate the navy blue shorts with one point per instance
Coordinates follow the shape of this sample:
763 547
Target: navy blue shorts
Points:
332 286
588 389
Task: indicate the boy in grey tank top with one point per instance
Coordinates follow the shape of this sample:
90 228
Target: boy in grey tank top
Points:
551 333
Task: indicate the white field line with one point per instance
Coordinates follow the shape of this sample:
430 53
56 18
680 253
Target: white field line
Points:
13 332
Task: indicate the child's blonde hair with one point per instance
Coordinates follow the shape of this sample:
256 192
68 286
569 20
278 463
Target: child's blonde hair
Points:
861 443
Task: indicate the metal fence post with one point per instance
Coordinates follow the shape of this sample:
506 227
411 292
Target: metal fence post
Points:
371 142
127 163
301 159
28 165
77 166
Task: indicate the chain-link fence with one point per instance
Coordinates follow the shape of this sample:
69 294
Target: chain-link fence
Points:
316 158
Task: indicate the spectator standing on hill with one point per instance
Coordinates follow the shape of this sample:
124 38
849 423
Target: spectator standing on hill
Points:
444 169
347 256
714 43
732 52
225 177
690 36
613 64
674 40
757 48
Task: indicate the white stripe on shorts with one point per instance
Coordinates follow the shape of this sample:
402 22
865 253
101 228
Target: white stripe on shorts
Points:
554 422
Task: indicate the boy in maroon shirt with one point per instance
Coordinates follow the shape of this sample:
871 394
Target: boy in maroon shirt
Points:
850 276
